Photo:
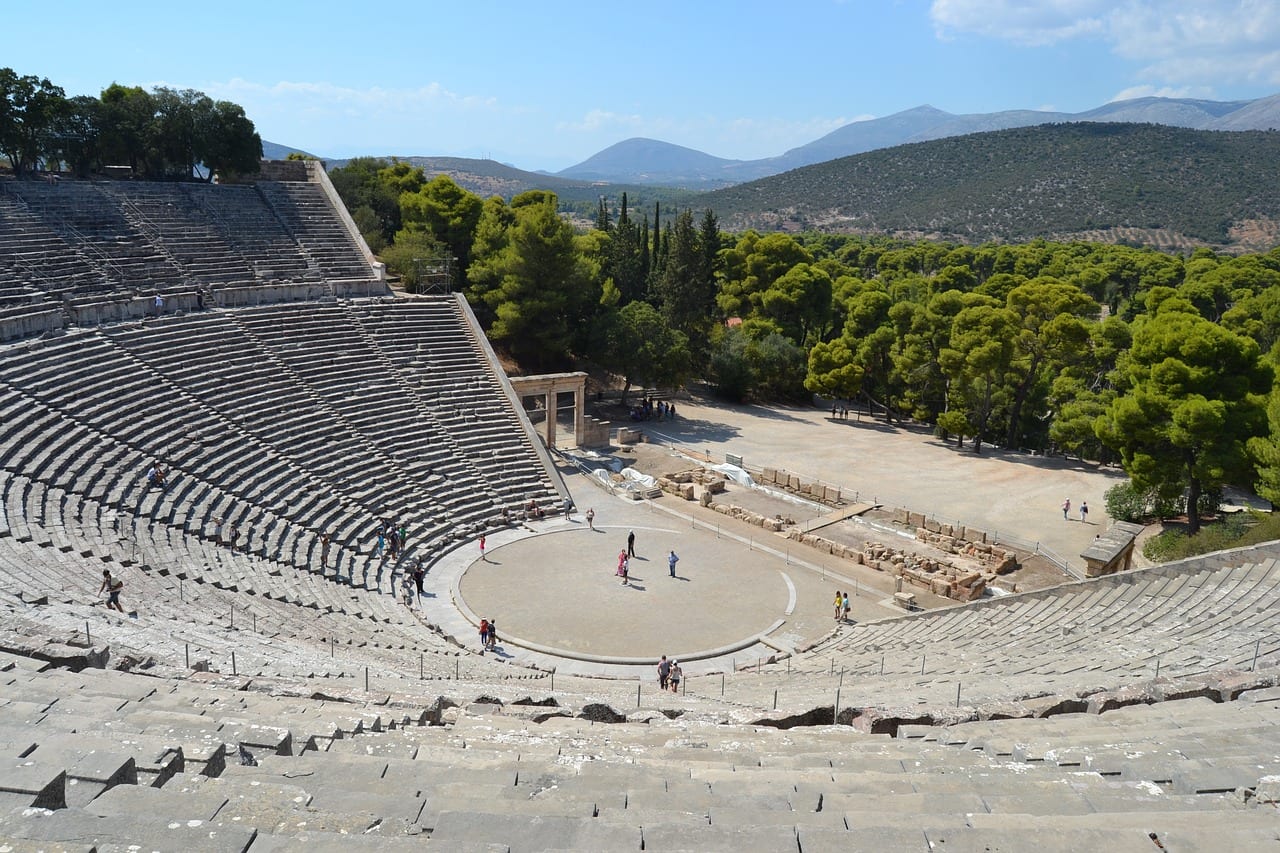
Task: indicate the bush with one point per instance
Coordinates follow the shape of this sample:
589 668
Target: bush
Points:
1235 531
1126 503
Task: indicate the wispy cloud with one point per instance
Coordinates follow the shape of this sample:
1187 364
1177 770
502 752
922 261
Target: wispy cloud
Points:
329 96
1175 42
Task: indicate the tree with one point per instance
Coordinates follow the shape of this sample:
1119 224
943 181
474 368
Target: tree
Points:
1192 396
530 273
799 302
449 214
1050 333
643 348
29 110
227 143
975 360
127 113
833 371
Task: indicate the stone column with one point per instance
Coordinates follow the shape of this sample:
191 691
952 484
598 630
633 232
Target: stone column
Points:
579 412
549 400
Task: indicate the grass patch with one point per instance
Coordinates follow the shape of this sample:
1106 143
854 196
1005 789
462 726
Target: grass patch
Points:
1235 531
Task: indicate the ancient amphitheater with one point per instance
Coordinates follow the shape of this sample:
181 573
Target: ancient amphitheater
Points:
266 688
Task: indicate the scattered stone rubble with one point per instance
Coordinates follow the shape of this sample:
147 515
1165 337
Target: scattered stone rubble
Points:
964 577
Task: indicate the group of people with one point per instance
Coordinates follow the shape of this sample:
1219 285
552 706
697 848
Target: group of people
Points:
391 536
840 412
842 606
648 409
669 675
1066 510
488 635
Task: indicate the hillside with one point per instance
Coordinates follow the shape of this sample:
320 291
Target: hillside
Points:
649 161
1122 182
581 199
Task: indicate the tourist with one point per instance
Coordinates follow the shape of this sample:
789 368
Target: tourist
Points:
839 604
484 635
377 549
568 509
664 672
591 518
493 634
845 606
1084 511
626 571
324 551
112 587
672 559
631 543
1066 508
674 676
482 556
419 574
217 530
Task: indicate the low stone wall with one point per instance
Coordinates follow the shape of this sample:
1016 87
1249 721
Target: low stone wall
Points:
595 432
793 483
31 324
958 539
237 296
950 580
694 484
94 312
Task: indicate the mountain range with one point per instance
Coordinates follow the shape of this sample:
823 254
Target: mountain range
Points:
650 161
1145 184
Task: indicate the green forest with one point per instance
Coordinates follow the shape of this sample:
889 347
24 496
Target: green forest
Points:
164 134
1162 362
1194 186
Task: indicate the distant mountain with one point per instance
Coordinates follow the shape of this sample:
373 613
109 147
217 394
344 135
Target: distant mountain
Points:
483 177
276 151
1262 114
1115 182
650 161
488 178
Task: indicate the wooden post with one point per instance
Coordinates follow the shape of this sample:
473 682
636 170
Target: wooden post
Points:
233 663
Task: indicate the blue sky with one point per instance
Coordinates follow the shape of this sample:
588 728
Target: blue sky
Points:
545 85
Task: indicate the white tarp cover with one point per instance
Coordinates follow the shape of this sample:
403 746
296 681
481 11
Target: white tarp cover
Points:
733 472
632 476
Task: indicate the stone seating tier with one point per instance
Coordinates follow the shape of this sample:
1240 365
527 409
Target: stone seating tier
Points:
81 238
197 762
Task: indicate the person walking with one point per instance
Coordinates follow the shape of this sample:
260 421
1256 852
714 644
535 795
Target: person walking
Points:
482 556
674 676
419 573
631 543
626 570
591 518
839 603
484 635
672 559
845 606
112 586
664 672
1084 511
1066 508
